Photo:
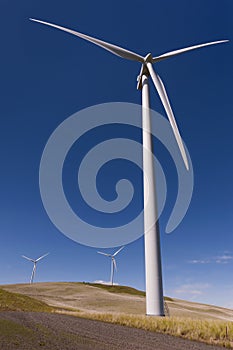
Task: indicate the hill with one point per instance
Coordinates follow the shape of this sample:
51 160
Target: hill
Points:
18 302
74 297
120 305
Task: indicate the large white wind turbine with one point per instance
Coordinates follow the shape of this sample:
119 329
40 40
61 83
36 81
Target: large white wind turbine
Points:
34 261
113 262
154 288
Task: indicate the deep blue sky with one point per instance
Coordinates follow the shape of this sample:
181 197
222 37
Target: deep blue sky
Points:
47 75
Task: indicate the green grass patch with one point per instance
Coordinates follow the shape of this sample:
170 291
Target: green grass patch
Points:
168 299
18 302
121 289
117 289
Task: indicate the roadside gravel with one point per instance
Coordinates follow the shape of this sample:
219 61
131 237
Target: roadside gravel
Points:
62 332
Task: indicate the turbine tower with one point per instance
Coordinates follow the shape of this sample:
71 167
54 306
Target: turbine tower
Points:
35 261
153 270
113 262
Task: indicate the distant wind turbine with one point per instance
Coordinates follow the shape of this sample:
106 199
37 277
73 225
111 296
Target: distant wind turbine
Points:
113 262
35 261
153 268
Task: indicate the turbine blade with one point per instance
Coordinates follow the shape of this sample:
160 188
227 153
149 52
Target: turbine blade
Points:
104 253
165 101
114 263
118 251
112 272
41 257
33 273
25 257
116 50
177 52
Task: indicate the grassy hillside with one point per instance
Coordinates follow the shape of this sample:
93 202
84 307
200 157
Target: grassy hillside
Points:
117 289
17 302
121 289
122 305
98 298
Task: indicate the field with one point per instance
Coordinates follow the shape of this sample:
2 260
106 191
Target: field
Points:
124 306
98 298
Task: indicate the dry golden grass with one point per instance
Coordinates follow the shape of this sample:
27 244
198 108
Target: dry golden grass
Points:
209 324
18 302
81 296
99 298
208 331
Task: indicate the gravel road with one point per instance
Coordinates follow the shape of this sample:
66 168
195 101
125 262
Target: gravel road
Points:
62 332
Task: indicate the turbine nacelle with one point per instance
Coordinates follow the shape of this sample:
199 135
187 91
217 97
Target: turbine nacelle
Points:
144 70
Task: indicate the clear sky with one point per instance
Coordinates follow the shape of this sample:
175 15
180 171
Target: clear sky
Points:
47 75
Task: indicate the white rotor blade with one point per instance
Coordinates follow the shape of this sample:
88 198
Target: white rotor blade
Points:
25 257
177 52
33 273
114 263
165 101
118 251
41 257
104 253
116 50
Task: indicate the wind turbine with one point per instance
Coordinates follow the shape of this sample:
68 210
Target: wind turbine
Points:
153 270
113 262
35 261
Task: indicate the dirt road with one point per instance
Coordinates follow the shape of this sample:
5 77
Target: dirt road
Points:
28 330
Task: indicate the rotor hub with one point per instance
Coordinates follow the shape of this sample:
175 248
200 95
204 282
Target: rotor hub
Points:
148 58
